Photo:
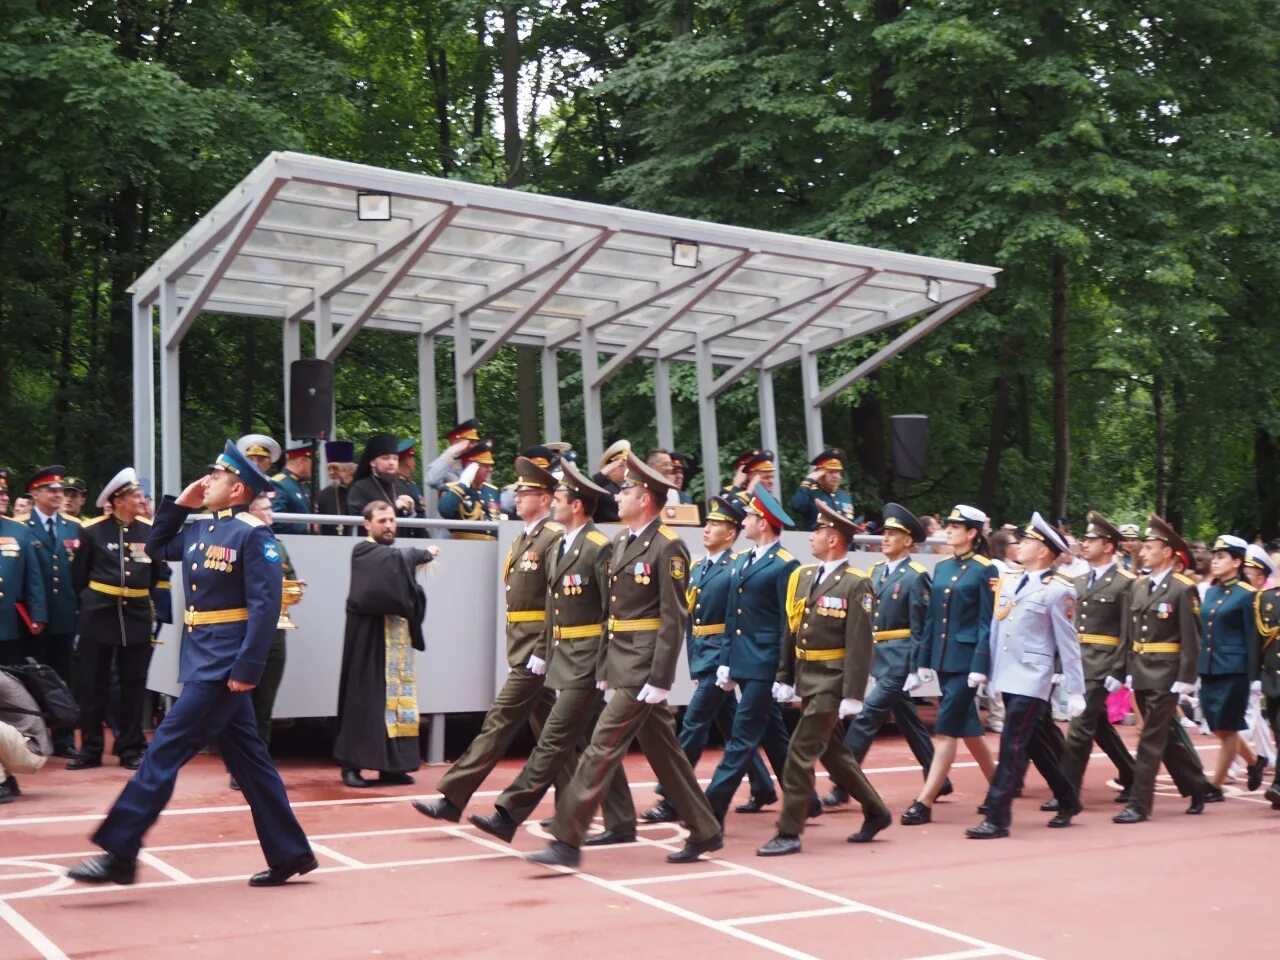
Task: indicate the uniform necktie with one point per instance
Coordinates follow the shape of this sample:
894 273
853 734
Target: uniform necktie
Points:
1022 583
750 559
1093 578
52 533
564 548
1151 587
706 566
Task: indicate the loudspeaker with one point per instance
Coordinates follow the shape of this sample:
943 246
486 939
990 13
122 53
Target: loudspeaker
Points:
310 399
910 433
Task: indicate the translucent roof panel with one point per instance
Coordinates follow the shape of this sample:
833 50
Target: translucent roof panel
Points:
536 269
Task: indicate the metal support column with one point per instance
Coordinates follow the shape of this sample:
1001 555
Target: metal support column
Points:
464 381
707 420
170 397
551 429
769 422
435 738
429 428
811 386
662 403
144 392
292 352
591 411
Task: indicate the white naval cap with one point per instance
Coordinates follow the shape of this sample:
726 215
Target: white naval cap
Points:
258 445
120 483
1256 556
1042 531
1235 546
970 516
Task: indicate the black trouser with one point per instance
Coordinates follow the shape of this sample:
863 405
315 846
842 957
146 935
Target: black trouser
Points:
1022 741
1094 726
54 649
264 694
1273 714
93 692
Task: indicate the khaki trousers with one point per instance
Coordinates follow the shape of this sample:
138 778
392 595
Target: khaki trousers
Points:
15 754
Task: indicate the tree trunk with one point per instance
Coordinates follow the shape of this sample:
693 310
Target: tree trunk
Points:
247 384
1162 480
512 147
1266 467
1059 356
438 67
483 76
527 396
66 305
990 488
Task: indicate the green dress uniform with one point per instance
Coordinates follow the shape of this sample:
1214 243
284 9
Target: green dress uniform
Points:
20 583
826 656
1266 606
290 497
461 502
1102 613
1228 653
577 610
804 503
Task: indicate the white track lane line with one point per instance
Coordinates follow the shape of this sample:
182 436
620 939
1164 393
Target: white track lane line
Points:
792 915
961 955
173 873
31 933
342 858
676 877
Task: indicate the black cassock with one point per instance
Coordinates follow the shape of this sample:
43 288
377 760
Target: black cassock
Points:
377 708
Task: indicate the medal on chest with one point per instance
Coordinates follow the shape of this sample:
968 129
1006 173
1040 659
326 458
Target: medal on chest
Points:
897 590
222 559
642 572
529 562
573 584
9 547
1163 609
836 607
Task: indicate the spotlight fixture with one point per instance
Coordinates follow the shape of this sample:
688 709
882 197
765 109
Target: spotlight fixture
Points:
684 253
933 290
373 206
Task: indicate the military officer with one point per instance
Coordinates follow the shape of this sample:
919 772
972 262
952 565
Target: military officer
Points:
684 470
445 468
751 471
263 451
902 587
293 486
577 610
825 660
408 452
6 476
647 616
54 537
231 566
1266 609
1164 634
544 457
822 485
22 589
755 622
613 465
524 696
1032 622
1101 621
472 496
709 596
1229 661
1131 547
74 493
114 577
738 477
956 651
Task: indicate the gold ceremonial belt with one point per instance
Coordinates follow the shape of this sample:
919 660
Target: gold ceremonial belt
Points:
526 616
803 654
881 635
466 535
634 626
1101 639
107 588
708 629
200 618
583 632
1157 648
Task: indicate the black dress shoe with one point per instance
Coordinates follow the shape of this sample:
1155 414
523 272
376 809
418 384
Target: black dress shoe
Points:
947 789
12 786
1256 770
1129 814
1063 817
66 751
835 797
1214 795
607 838
870 827
1197 804
132 762
755 804
557 854
1273 794
395 779
1049 806
660 812
696 848
916 814
84 761
779 846
233 784
277 875
497 824
815 807
8 794
104 868
986 830
351 778
438 809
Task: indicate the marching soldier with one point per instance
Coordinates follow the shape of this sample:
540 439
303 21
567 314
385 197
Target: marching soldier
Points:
1164 634
22 590
472 496
115 578
613 466
1101 621
293 486
648 613
544 457
822 485
825 660
54 538
523 696
902 589
1266 608
1032 622
577 610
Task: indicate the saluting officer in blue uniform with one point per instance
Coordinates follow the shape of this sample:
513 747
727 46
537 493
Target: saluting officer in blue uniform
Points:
709 596
755 623
232 574
902 587
54 537
472 496
1229 659
956 652
20 583
822 485
293 486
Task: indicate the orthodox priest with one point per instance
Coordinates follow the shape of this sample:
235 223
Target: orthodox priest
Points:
377 691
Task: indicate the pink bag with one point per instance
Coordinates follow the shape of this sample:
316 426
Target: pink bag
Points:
1119 704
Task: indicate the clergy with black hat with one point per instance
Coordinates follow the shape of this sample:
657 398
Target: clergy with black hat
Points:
340 467
232 578
378 478
1032 624
822 485
114 577
472 496
902 588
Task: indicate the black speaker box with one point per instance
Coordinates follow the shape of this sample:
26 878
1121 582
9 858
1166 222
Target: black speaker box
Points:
310 399
910 432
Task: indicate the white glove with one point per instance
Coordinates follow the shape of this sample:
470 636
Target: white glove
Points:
1112 684
1057 680
1255 686
651 694
913 681
784 692
537 666
976 678
1128 680
602 686
1183 689
850 708
722 678
608 695
925 675
1075 705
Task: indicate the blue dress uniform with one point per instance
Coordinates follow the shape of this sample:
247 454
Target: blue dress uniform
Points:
290 497
459 501
804 504
755 623
1228 648
232 574
20 583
